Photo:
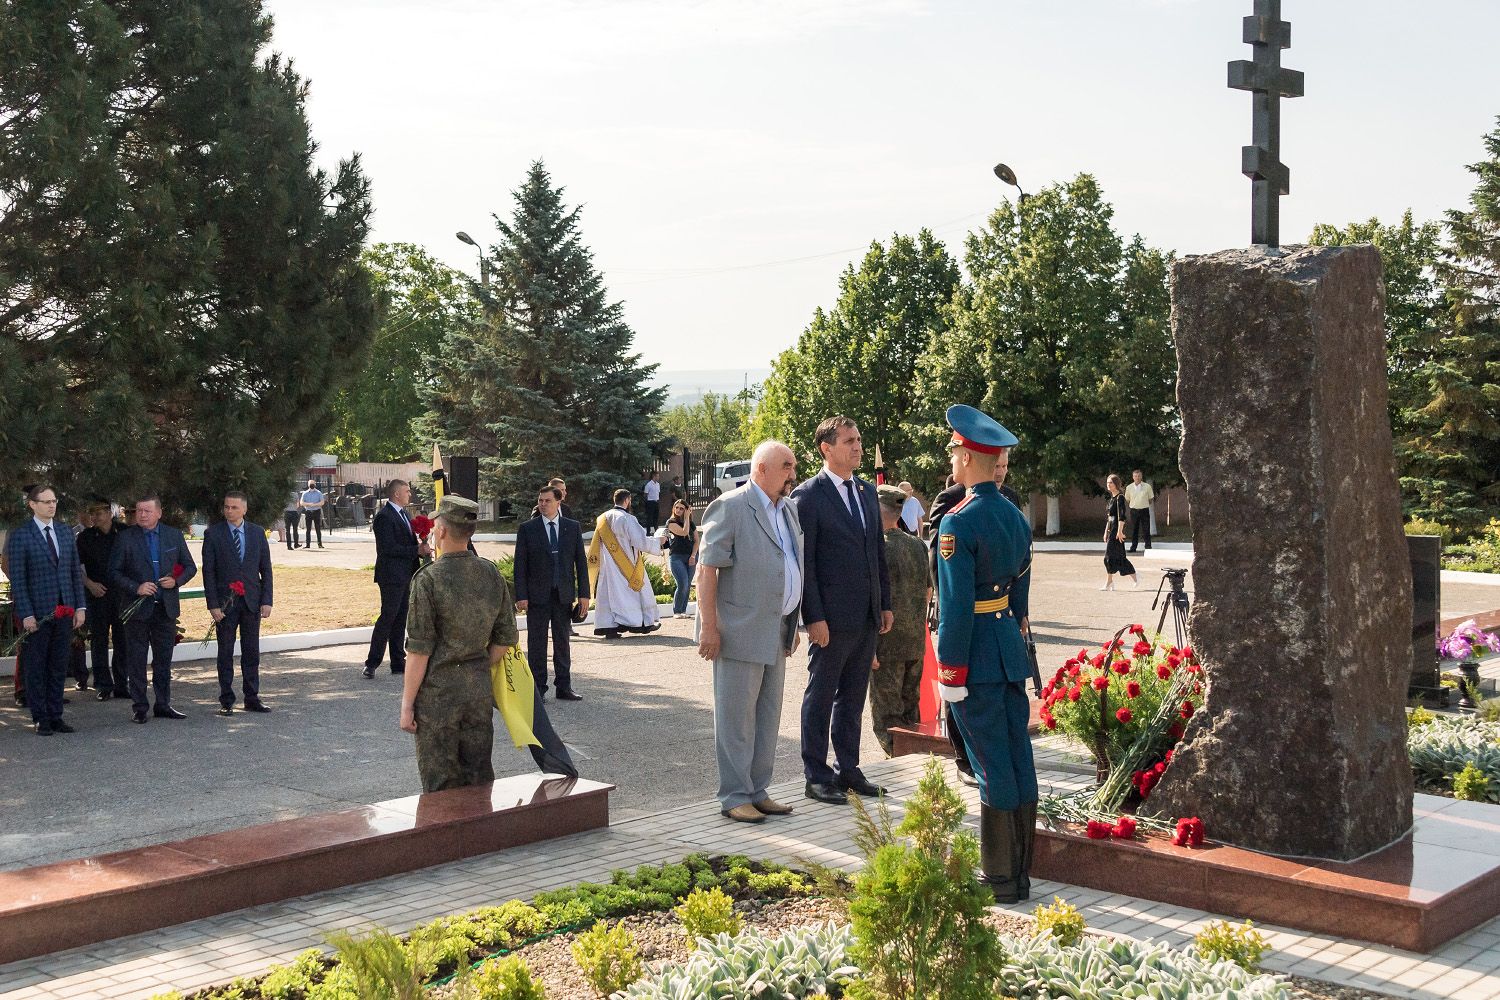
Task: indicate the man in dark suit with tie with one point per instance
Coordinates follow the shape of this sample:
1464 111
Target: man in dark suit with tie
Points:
552 575
46 587
846 602
398 552
237 587
151 560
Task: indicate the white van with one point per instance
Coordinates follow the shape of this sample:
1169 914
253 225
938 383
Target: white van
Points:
730 475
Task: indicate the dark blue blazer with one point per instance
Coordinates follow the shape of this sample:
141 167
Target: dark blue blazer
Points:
130 565
844 578
222 566
37 584
396 557
534 561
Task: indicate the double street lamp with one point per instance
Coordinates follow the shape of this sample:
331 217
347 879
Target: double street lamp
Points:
484 262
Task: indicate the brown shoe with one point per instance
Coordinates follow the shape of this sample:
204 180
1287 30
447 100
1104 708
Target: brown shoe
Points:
744 814
772 808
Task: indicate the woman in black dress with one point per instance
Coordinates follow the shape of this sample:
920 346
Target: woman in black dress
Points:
1115 560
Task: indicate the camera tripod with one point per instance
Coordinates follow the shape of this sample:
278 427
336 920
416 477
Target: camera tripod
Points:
1176 603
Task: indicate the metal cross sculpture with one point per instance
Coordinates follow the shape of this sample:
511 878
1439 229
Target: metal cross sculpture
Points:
1264 77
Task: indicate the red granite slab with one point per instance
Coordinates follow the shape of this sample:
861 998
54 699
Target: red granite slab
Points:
1489 621
924 736
78 902
1440 880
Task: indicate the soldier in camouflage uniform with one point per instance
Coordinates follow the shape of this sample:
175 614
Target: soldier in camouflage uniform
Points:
461 619
896 680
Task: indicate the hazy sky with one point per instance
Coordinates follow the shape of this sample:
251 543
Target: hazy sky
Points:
732 156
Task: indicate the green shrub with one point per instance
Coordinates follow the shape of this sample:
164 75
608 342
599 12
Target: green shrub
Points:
706 914
1418 716
1061 920
660 577
506 979
1446 747
803 962
1418 526
507 567
382 967
778 885
292 982
566 913
1241 944
607 957
918 907
1471 784
339 984
1119 967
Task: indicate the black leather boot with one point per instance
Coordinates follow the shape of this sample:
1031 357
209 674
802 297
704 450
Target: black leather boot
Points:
1025 844
998 852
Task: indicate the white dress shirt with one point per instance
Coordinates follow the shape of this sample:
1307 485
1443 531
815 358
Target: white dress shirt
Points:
791 583
838 485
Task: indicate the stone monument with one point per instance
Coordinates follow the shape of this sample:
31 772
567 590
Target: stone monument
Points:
1303 605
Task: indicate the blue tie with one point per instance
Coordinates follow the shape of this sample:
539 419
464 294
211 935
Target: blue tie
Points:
854 505
556 555
239 543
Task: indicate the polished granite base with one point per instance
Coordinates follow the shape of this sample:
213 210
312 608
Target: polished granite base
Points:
78 902
924 737
1437 882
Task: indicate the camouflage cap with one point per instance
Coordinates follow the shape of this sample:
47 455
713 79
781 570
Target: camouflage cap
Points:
891 496
460 510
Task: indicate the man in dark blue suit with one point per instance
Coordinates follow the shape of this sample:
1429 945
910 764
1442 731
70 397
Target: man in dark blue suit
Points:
552 575
846 602
151 560
46 580
235 552
398 551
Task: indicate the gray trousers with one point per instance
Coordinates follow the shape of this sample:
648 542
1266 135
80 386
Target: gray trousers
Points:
747 722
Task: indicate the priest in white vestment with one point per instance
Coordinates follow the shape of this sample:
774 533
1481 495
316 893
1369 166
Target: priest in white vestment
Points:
623 599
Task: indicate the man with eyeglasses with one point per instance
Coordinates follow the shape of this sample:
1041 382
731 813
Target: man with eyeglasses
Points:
46 587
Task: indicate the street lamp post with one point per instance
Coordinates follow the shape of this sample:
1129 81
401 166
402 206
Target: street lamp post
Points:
1008 176
484 262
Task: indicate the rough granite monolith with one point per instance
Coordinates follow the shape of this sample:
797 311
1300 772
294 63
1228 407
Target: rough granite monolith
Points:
1302 605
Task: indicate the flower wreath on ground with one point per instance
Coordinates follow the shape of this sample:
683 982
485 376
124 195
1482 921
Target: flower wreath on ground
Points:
1127 702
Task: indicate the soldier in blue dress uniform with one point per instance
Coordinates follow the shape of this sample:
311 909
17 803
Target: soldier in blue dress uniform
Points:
984 565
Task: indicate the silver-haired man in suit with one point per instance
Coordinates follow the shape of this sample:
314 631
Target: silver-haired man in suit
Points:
749 593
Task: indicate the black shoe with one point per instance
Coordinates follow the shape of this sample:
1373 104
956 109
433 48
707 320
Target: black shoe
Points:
999 853
139 716
20 701
81 686
44 728
573 632
104 695
226 710
861 786
368 672
257 706
167 712
569 696
832 794
59 726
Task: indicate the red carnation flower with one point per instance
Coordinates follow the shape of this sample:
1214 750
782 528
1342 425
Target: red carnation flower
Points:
1163 671
1121 666
1137 630
1187 652
1194 668
421 526
1123 715
62 611
176 638
1115 644
1197 688
1096 661
1141 648
1098 830
1160 767
1124 827
1075 692
177 570
1046 691
1187 707
1132 690
1083 655
1174 660
1168 757
1051 722
1189 832
1176 731
1074 671
1101 682
237 588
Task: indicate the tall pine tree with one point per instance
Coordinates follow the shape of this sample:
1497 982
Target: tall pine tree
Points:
546 383
180 289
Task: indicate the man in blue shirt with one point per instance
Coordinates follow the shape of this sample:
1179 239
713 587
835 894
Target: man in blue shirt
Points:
311 503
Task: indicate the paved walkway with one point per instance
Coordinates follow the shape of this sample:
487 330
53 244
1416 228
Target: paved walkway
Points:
246 943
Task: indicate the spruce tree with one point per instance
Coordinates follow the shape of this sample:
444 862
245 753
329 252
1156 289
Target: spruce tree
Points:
180 290
545 383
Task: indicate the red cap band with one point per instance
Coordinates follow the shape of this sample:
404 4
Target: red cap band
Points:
983 449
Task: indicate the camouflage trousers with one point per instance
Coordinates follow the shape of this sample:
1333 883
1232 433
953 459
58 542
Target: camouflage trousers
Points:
455 727
895 697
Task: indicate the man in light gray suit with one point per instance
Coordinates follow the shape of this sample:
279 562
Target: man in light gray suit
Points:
749 592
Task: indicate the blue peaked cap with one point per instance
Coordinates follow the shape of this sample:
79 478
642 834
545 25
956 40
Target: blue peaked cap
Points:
978 431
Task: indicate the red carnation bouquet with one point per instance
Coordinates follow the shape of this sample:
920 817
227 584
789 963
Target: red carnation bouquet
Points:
421 526
62 612
237 588
178 572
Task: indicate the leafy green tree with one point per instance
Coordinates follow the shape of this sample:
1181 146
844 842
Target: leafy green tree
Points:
1033 338
545 383
718 424
860 359
423 300
180 288
1455 438
1141 373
